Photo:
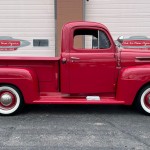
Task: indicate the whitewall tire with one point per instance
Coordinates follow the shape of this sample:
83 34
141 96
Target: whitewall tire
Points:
143 100
11 100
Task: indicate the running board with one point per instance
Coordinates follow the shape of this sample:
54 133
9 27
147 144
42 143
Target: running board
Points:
77 100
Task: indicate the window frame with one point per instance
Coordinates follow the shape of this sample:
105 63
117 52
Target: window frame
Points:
81 50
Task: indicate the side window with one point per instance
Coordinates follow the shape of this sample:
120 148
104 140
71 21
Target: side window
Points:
90 39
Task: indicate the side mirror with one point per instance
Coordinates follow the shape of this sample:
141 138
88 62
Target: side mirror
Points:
120 39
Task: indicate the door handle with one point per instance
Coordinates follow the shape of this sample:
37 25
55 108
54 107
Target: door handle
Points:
75 58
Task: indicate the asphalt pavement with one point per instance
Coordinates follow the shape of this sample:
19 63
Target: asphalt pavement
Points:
75 127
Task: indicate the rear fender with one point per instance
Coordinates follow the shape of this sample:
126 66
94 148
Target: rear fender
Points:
24 79
130 81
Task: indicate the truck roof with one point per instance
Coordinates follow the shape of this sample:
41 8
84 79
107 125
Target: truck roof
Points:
84 23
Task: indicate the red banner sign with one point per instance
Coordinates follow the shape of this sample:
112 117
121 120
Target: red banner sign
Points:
136 43
10 44
7 43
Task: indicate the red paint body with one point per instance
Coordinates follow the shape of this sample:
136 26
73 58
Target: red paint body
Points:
115 75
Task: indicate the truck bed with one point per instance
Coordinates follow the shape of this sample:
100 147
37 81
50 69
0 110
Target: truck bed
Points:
46 69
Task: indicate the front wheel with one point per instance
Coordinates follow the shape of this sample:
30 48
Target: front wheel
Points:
143 100
11 100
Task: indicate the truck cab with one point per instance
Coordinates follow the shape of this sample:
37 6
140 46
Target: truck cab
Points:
88 60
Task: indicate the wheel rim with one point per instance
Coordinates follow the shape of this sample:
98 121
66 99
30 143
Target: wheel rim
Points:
9 100
145 100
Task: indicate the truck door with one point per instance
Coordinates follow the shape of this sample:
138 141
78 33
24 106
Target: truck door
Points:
91 62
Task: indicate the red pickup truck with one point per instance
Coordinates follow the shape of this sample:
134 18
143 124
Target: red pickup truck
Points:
91 69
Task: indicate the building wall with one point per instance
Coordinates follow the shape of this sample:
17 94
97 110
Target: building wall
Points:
67 10
128 18
24 21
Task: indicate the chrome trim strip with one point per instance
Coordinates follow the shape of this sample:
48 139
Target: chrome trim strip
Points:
142 58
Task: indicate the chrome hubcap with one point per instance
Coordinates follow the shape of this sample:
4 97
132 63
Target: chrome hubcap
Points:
6 99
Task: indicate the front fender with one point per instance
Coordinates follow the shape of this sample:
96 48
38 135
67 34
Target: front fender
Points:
130 81
23 78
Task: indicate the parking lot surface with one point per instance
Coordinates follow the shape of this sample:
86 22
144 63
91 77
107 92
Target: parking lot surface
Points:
75 127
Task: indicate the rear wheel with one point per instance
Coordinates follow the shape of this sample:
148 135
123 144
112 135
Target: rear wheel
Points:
143 100
11 100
